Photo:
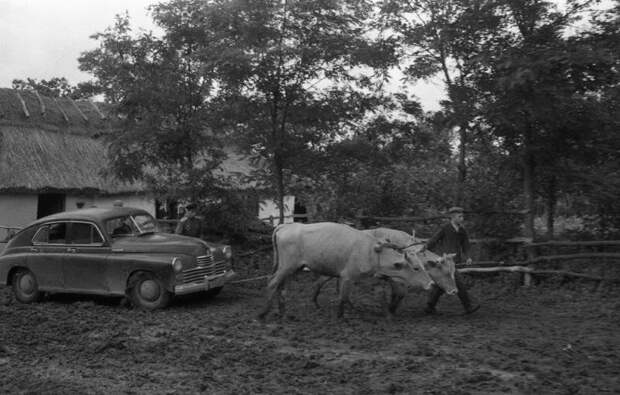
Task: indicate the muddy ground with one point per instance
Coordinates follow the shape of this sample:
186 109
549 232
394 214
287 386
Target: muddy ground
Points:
551 338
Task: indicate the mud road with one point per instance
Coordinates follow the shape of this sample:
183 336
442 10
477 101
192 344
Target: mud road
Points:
545 339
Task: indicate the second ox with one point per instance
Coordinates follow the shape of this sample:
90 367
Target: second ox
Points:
440 268
337 250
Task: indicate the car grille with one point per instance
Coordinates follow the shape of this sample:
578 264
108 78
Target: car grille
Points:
206 267
205 260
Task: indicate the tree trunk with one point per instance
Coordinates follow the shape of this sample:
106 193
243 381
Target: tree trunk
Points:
550 202
462 168
528 185
279 174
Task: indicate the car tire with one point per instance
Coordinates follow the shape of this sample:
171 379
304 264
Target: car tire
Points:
211 293
148 292
25 286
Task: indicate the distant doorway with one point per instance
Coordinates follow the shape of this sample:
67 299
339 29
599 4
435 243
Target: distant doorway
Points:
50 203
300 213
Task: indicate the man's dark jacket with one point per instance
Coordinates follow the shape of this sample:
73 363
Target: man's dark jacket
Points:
450 241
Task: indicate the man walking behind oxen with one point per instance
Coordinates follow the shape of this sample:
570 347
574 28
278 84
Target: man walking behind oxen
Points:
452 239
190 224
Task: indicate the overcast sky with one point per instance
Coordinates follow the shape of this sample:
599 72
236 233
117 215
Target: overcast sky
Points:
42 39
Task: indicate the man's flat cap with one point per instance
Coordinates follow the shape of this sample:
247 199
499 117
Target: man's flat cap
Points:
455 209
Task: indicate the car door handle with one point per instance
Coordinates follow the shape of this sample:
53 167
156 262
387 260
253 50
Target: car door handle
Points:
71 250
34 249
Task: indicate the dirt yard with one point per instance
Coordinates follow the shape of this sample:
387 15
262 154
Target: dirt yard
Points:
545 339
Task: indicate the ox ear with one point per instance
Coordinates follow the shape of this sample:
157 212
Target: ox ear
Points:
451 256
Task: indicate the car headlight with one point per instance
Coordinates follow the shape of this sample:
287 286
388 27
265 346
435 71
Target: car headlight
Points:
177 264
227 252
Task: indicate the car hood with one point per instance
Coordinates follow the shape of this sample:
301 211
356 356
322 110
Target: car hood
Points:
162 243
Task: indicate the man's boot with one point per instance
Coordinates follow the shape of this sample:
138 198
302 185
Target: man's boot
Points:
464 298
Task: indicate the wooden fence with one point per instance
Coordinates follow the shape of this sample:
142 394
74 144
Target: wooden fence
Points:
526 256
538 259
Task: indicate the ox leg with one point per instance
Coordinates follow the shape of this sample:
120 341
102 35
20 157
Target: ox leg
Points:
397 295
270 293
345 288
281 301
318 284
274 288
385 306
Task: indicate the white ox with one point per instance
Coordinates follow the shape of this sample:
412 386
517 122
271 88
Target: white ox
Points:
337 250
440 268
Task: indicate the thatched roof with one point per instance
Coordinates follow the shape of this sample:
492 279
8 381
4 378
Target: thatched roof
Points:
80 117
60 149
45 151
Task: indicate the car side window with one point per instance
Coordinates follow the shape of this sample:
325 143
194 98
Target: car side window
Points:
51 234
120 226
84 233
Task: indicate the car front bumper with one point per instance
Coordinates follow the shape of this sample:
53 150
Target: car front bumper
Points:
209 282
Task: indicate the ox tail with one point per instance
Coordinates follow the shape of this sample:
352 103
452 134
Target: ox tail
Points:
274 241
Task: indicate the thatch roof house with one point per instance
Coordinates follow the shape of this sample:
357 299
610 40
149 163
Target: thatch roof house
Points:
52 158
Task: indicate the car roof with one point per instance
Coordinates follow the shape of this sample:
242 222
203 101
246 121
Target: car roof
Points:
92 214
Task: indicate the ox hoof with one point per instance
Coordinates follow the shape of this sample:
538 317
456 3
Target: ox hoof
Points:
472 310
430 310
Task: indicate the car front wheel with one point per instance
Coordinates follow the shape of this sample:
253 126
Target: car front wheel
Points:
25 286
148 292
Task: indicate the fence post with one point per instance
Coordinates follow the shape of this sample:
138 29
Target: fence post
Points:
530 254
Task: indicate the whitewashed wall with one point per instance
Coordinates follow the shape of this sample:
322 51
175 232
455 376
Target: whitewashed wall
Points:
140 201
18 210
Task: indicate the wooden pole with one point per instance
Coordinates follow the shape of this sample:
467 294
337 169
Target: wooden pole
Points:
559 243
531 271
574 256
64 115
40 102
97 109
84 117
24 107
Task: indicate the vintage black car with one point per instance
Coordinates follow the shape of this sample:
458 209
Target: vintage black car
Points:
111 251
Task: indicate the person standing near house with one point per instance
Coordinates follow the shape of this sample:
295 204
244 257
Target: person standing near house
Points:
452 239
190 224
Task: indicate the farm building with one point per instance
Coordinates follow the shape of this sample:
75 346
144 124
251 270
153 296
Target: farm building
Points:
52 159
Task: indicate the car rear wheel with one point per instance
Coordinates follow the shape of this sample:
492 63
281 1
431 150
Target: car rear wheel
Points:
148 292
25 286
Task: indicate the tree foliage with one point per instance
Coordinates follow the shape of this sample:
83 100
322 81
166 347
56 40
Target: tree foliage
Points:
161 92
285 68
298 86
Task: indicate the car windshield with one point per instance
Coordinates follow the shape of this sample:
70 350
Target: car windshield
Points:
131 225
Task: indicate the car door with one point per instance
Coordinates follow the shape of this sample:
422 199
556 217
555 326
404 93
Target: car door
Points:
47 253
85 264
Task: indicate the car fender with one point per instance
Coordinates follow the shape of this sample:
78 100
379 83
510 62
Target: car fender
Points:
159 265
8 263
